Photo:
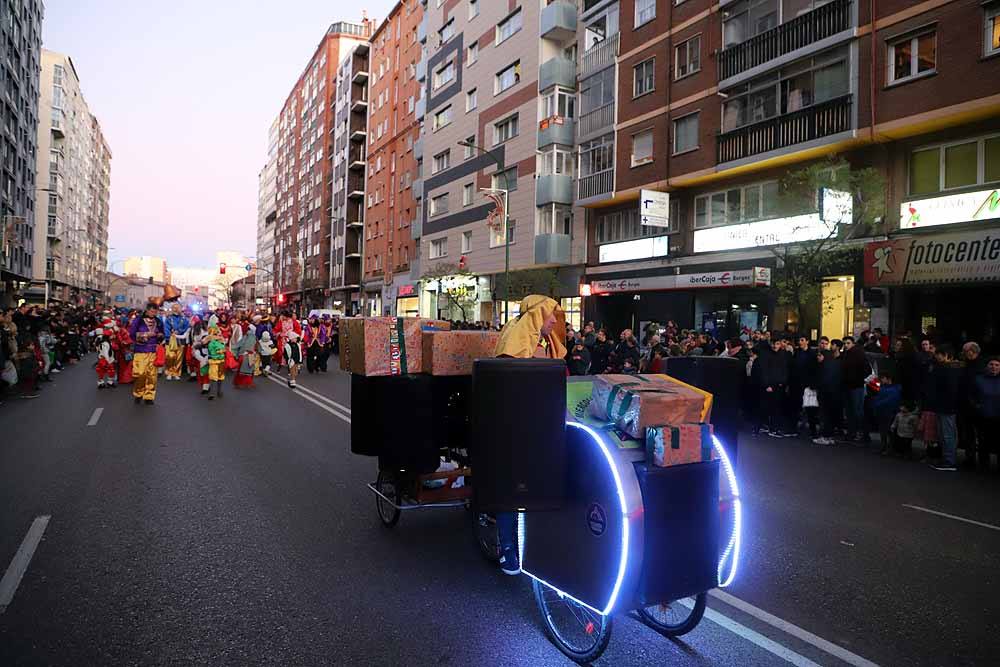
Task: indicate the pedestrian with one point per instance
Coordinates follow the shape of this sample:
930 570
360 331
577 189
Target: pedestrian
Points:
578 359
854 370
175 331
246 357
803 377
293 356
106 362
975 365
904 428
310 338
325 341
266 347
986 401
147 332
200 362
885 405
216 360
947 377
126 351
601 354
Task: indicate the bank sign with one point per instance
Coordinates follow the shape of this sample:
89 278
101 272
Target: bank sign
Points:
755 277
942 258
950 209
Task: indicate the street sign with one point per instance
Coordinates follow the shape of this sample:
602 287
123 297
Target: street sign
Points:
654 208
119 298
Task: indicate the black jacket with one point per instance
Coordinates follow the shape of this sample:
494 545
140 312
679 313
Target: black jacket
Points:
774 366
599 357
804 371
946 380
578 361
855 368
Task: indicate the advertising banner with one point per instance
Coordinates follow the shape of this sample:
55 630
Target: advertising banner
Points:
942 258
950 209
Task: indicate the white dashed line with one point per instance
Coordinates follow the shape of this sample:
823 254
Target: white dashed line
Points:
96 417
952 516
15 571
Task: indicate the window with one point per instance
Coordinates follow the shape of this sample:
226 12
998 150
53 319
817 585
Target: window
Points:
466 242
753 202
597 155
439 248
625 226
505 180
571 306
510 76
912 57
597 91
600 29
642 148
557 160
468 190
496 237
442 161
509 26
645 11
792 88
747 19
442 118
471 101
686 133
992 40
505 129
473 54
955 165
447 31
470 147
473 9
643 81
439 204
560 102
445 74
687 57
554 219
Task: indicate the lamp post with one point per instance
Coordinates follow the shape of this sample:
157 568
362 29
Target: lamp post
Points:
506 220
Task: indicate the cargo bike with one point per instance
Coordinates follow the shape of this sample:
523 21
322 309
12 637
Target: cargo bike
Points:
600 531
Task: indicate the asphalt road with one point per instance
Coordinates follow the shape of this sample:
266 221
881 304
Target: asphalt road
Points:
240 531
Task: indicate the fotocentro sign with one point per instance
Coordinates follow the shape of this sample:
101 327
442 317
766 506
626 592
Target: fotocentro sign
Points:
942 258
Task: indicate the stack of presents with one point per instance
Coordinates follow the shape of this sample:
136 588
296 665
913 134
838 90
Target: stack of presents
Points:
410 383
668 417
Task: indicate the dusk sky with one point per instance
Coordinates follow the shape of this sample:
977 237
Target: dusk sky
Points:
185 92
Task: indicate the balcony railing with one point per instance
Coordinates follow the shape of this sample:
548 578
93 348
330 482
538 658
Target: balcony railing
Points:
815 122
597 120
597 184
822 22
599 56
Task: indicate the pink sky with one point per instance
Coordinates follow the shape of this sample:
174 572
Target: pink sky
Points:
185 92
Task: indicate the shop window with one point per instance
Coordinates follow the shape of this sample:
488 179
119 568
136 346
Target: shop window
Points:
912 57
961 164
571 306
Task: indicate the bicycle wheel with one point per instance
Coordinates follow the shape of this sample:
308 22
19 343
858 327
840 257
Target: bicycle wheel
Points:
580 633
386 485
675 618
484 531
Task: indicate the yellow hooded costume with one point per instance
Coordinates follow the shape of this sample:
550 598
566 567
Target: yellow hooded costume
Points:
520 337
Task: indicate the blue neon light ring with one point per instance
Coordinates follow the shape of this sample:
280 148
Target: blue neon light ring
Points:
733 547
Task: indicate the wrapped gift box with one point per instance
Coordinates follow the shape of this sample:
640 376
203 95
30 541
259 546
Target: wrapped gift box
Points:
453 352
378 346
677 445
636 402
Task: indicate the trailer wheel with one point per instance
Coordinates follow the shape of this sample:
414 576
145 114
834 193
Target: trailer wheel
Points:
677 617
579 632
386 485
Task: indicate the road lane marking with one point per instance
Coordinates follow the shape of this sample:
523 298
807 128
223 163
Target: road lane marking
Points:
952 516
793 630
96 417
15 571
315 394
332 411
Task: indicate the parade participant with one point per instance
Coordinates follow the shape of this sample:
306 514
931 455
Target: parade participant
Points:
176 332
106 367
539 332
310 335
125 351
293 356
216 360
195 333
286 325
246 354
147 332
325 341
266 346
200 359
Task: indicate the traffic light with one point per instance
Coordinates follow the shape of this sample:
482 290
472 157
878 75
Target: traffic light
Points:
222 268
151 280
281 299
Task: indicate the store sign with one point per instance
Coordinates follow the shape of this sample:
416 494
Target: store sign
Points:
942 258
654 208
836 207
655 246
951 209
407 290
797 229
755 277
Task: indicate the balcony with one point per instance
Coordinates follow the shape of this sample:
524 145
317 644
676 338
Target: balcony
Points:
558 21
600 56
360 77
556 130
360 105
597 121
421 70
557 72
55 230
815 122
554 189
596 185
417 188
418 148
358 131
552 249
356 158
802 31
355 214
355 188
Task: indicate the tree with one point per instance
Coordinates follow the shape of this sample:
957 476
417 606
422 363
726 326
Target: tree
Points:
458 294
851 205
531 281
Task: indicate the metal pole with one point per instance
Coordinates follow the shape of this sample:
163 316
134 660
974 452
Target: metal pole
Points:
506 257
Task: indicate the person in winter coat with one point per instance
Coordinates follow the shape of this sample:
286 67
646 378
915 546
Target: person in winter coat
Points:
601 353
829 379
885 405
199 362
986 401
904 429
293 356
216 345
773 364
803 376
578 359
106 366
176 328
975 365
266 346
947 378
854 369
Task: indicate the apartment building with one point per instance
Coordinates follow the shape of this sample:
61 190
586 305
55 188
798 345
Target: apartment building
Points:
714 102
21 32
398 66
267 215
498 108
350 137
303 235
147 267
71 256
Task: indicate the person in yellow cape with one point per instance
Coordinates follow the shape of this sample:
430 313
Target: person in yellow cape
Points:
538 332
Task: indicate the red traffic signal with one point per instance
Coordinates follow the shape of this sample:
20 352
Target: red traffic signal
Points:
222 268
281 298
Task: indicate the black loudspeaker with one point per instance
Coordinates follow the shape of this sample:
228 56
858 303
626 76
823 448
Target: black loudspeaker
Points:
395 422
518 434
724 379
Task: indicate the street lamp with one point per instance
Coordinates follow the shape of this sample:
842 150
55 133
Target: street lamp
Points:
506 220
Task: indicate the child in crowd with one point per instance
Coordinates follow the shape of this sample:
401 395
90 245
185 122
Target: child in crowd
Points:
199 364
216 360
904 428
266 351
293 356
885 405
106 366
